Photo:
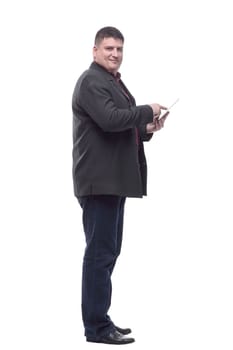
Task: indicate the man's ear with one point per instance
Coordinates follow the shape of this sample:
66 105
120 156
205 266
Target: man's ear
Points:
94 51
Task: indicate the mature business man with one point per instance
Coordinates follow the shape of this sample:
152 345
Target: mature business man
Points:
109 165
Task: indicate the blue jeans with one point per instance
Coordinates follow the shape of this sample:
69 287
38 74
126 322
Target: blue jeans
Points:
103 226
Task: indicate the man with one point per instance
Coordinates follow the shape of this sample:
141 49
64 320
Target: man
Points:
108 165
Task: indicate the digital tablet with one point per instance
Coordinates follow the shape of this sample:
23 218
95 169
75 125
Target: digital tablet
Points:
165 111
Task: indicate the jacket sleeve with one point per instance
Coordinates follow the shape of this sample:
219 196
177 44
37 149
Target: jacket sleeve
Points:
96 100
144 136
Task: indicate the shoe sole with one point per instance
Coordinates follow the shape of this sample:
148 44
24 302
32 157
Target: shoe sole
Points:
111 342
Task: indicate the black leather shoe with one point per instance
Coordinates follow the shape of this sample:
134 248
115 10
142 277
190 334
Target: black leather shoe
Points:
124 331
113 337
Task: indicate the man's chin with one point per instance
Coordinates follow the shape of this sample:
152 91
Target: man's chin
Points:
114 68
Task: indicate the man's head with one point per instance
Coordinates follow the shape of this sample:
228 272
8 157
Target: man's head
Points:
108 48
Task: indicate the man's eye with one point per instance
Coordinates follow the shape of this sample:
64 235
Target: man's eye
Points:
109 48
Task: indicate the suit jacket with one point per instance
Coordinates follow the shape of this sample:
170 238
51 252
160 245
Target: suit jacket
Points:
107 156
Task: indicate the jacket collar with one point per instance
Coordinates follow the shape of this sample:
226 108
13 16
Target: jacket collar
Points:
101 69
114 79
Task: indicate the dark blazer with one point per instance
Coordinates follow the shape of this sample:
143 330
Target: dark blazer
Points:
108 158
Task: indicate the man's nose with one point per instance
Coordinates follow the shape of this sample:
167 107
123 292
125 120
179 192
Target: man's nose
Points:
115 52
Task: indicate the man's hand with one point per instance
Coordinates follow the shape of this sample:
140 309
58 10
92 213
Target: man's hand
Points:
157 109
157 124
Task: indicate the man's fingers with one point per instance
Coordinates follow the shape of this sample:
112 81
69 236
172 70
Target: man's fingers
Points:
163 107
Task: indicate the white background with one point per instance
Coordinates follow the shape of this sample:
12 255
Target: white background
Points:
173 283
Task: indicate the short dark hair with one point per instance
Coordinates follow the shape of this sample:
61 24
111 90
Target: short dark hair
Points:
108 32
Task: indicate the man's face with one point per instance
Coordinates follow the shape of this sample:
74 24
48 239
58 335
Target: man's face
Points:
109 54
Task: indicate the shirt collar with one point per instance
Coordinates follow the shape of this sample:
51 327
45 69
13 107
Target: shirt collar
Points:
117 76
